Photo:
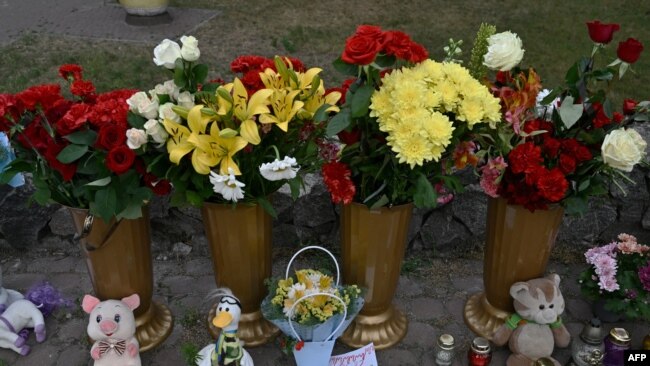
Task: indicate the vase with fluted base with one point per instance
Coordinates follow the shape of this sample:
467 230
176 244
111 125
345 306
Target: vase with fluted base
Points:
373 243
240 244
517 248
118 257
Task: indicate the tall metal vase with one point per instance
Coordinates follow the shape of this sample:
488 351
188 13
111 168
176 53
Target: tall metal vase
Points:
518 246
118 256
372 245
240 243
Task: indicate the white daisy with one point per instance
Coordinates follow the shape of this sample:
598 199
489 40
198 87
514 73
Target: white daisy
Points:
227 185
280 169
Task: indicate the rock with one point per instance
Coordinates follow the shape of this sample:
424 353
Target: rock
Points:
443 233
283 205
159 206
284 235
470 208
181 249
61 223
645 221
313 215
587 230
417 219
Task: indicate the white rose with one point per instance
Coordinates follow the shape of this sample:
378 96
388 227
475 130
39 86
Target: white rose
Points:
186 100
156 131
622 149
166 112
141 104
172 89
190 50
135 138
504 51
166 53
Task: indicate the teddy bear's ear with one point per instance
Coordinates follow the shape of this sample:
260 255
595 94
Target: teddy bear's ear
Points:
89 302
518 288
555 278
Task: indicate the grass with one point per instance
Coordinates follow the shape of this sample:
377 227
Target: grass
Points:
553 32
191 317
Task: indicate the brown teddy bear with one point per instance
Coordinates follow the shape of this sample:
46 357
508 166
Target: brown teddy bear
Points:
535 327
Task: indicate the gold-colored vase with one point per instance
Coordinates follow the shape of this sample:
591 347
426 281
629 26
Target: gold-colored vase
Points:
145 7
372 245
240 243
118 256
518 246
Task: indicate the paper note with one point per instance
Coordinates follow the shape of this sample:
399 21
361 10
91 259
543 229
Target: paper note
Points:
364 356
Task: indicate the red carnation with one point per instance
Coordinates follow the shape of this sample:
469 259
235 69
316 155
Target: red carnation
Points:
111 111
576 150
553 185
551 146
296 64
68 71
35 136
601 32
629 51
8 111
525 158
120 159
111 136
629 106
336 176
567 163
120 95
361 49
74 119
41 95
246 63
398 44
418 53
538 125
82 88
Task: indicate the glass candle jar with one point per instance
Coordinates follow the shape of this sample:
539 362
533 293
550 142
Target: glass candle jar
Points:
616 343
589 345
445 350
479 353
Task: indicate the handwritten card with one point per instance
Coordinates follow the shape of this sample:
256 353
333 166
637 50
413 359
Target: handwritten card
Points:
364 356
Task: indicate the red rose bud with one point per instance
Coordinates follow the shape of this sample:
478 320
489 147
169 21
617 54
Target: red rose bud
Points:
629 106
618 117
601 32
361 50
629 51
120 159
350 137
299 345
369 31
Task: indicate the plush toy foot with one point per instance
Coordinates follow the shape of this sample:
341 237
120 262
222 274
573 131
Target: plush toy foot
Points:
19 342
24 350
516 359
40 333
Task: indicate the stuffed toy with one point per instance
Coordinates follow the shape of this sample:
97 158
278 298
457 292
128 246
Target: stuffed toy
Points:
228 350
535 327
7 297
112 327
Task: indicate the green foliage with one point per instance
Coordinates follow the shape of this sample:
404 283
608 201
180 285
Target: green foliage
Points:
190 353
476 67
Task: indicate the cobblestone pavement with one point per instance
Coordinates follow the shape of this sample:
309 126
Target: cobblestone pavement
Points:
432 297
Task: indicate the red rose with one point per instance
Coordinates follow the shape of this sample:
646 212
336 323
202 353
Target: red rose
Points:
68 71
629 51
361 50
67 171
369 31
503 77
618 117
551 146
601 32
601 119
120 159
552 186
567 163
398 44
629 106
524 158
160 187
82 88
350 137
74 119
111 136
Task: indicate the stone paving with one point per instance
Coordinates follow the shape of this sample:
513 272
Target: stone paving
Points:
432 296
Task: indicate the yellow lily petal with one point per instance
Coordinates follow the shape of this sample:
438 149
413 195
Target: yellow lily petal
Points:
249 132
202 161
177 151
258 103
196 120
201 142
240 99
224 105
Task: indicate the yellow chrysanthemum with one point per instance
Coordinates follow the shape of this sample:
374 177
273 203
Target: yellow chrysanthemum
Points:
412 150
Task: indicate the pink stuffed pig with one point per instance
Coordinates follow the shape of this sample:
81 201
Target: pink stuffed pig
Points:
112 327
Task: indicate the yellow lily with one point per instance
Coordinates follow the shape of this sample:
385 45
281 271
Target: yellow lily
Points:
316 101
305 80
245 109
184 140
272 80
224 148
285 108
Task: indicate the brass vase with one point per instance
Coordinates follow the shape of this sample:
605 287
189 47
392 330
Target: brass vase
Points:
518 246
118 256
240 243
372 249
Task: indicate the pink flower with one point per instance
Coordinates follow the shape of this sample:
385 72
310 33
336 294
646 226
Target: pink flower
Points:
644 276
608 284
491 175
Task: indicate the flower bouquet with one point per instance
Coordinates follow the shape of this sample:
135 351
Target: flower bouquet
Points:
560 146
312 310
76 147
619 275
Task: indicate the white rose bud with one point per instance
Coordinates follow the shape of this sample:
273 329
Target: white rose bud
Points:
623 149
186 100
166 53
135 138
172 89
166 112
156 131
190 50
141 104
504 51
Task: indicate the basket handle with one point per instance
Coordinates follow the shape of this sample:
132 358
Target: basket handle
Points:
338 272
293 307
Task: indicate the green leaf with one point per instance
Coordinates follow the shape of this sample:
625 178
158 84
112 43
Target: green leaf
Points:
72 153
569 112
385 61
572 76
132 211
361 101
136 121
193 198
321 113
576 205
608 109
200 73
99 182
551 96
267 206
87 137
105 203
179 74
381 202
583 185
294 184
339 122
425 195
345 68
